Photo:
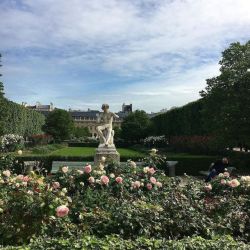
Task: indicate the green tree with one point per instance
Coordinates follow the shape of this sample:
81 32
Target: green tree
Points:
80 132
135 126
59 124
227 97
2 107
1 84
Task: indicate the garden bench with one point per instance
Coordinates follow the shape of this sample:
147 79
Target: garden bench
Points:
56 165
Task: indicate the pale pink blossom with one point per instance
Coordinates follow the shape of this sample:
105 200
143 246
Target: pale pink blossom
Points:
119 179
158 184
226 174
87 169
149 186
151 171
91 179
136 184
223 182
26 178
62 211
208 187
132 164
65 169
234 183
153 180
6 173
56 185
104 179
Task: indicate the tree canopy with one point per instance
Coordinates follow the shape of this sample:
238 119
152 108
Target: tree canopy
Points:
135 126
227 97
59 124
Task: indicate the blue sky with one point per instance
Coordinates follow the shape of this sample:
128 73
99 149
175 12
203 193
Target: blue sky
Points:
81 53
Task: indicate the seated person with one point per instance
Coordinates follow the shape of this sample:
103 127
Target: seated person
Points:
217 168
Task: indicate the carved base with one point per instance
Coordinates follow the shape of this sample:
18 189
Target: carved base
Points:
110 153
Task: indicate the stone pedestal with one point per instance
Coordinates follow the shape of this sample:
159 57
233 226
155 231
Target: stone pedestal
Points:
110 153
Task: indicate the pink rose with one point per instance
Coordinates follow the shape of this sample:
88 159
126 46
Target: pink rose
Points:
104 179
158 184
26 178
91 179
153 180
119 179
136 184
65 169
87 169
149 186
223 182
151 171
62 211
56 185
234 183
226 174
208 187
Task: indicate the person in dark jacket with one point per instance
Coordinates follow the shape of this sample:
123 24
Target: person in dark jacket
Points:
217 168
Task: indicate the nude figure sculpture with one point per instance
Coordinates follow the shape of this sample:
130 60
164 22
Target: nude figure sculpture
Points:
105 129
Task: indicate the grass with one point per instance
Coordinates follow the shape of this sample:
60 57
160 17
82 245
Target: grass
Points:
63 150
90 151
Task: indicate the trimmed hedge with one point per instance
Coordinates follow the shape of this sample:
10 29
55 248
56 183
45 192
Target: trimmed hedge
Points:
191 165
83 144
115 242
186 120
17 119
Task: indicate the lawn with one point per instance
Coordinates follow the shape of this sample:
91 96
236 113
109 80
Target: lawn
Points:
90 151
62 150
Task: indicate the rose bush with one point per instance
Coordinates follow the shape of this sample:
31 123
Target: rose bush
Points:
11 142
131 201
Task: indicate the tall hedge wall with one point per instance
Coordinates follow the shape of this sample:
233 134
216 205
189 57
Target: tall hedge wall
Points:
186 120
19 120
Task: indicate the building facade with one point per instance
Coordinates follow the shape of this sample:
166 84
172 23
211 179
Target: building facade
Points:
83 119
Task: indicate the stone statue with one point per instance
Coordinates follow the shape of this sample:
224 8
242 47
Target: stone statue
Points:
105 129
106 133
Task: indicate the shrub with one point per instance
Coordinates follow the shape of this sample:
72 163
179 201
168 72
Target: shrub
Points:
138 204
20 120
11 142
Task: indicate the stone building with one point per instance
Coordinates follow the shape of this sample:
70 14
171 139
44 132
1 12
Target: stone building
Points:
44 109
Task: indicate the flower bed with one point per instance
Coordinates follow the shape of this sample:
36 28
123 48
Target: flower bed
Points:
134 203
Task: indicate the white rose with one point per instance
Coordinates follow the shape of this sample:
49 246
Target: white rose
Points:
19 152
112 175
6 173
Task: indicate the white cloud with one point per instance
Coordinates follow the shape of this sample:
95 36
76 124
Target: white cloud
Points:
168 45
